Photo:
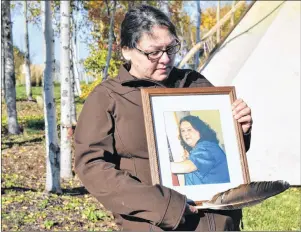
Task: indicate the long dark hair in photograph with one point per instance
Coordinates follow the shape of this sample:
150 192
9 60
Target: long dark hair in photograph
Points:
206 132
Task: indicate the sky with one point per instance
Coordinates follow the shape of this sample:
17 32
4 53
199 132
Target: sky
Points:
36 34
36 40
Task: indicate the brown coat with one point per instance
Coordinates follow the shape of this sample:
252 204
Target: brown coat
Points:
111 157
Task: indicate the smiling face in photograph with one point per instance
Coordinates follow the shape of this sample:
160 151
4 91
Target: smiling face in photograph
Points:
190 135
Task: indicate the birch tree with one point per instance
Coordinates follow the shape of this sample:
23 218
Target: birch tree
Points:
74 54
198 34
66 171
2 60
164 8
52 145
131 4
9 75
72 88
111 40
27 62
72 91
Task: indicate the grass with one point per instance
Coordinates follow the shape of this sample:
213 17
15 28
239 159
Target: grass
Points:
36 91
26 207
30 116
281 213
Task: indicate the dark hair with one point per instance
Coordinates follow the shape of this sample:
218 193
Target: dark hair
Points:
206 132
141 19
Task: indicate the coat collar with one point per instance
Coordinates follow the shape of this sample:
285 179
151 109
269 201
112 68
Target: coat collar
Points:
126 79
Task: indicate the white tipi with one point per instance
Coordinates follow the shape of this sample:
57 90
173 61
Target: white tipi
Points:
261 58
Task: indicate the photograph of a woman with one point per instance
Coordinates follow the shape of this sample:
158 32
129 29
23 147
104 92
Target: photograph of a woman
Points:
205 162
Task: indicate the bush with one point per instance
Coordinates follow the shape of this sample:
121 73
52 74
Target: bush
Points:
95 63
36 72
87 89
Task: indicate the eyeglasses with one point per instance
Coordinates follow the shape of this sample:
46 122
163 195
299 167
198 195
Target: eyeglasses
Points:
156 55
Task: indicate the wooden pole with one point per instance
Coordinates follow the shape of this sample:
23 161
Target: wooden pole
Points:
232 16
218 31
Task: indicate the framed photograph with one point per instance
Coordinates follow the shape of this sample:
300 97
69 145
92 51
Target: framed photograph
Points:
195 145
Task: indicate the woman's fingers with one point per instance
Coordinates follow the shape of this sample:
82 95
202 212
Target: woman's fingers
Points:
190 209
242 113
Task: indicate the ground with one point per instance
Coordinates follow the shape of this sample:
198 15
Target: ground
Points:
27 207
25 204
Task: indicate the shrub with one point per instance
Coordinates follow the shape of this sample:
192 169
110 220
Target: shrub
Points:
87 89
36 72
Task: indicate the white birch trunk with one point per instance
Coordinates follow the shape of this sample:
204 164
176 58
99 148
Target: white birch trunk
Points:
72 91
73 105
86 78
198 34
111 38
66 163
10 81
2 60
52 145
75 71
53 78
74 59
131 4
27 61
164 8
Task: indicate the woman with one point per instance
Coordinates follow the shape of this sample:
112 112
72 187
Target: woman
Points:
207 162
111 157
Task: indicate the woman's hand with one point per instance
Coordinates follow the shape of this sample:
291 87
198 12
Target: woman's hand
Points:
189 210
242 113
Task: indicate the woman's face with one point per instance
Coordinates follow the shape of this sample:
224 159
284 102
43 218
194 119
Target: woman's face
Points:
141 66
189 134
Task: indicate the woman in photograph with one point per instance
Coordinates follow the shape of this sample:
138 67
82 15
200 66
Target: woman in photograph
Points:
206 162
111 155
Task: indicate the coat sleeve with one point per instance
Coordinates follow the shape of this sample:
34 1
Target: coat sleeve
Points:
116 189
247 140
198 80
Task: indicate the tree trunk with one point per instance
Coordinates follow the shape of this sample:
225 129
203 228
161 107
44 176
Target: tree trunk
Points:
86 78
164 8
72 91
131 4
2 60
66 126
52 145
111 40
198 36
54 73
10 81
27 60
74 59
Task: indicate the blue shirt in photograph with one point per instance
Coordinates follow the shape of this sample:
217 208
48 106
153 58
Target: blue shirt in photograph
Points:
211 163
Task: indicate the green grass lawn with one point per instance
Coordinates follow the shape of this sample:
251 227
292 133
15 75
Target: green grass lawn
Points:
281 212
30 116
36 91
